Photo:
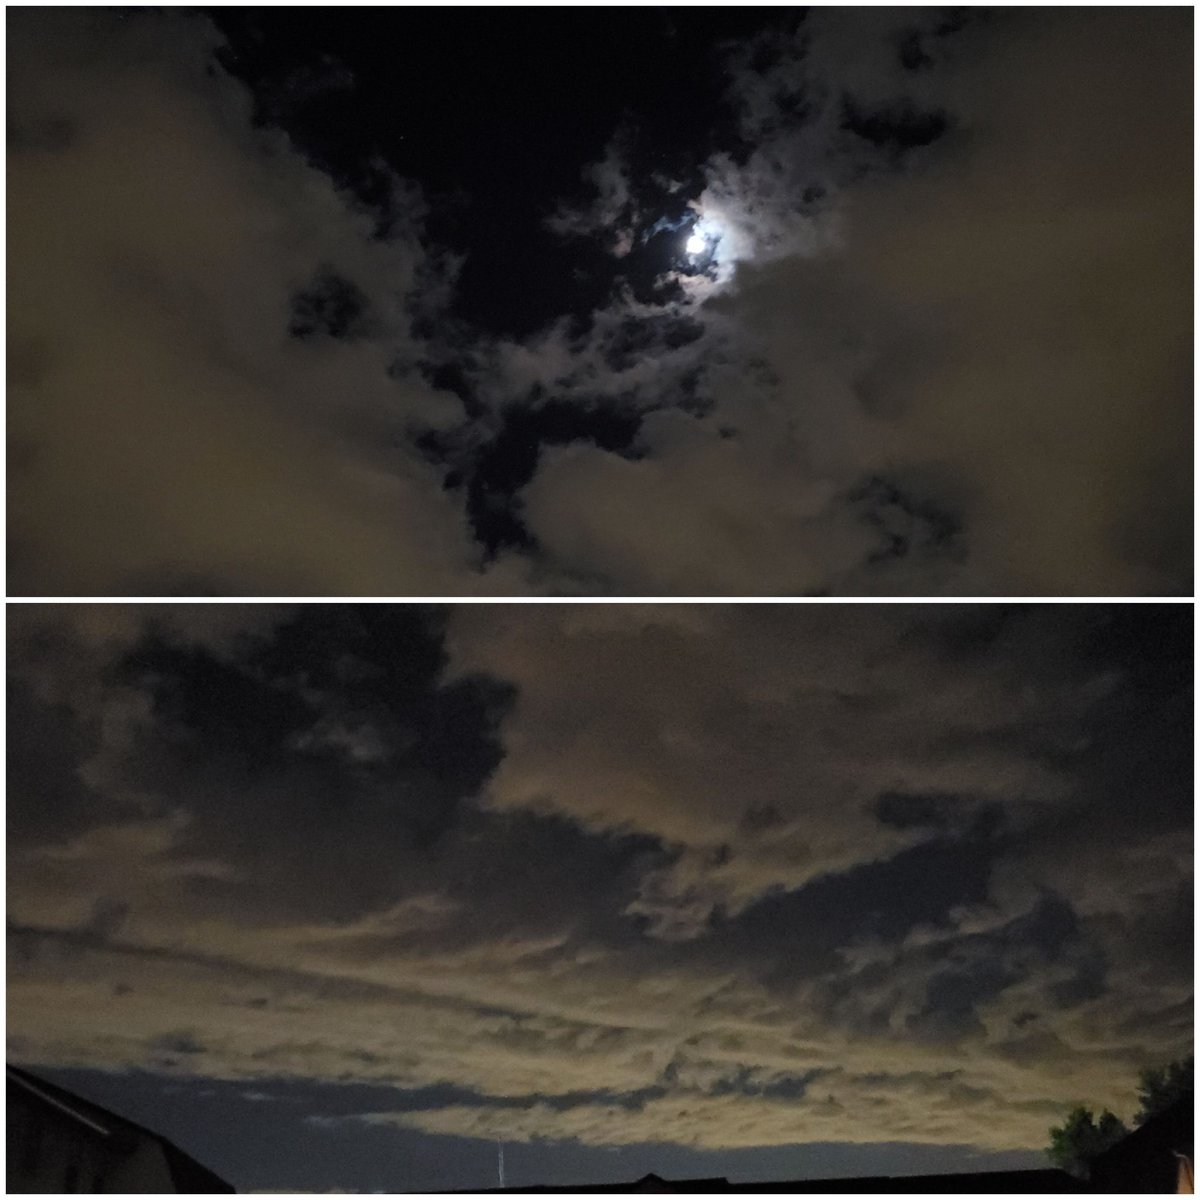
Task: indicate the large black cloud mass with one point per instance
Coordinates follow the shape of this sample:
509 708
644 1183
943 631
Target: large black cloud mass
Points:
397 302
711 877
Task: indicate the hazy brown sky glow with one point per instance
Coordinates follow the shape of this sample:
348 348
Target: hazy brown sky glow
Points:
702 877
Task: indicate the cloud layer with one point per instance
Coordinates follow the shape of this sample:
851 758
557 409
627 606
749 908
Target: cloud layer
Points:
714 877
961 393
940 343
167 433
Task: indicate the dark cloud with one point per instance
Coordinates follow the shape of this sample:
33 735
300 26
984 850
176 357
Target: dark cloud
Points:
799 934
329 306
905 810
289 753
47 798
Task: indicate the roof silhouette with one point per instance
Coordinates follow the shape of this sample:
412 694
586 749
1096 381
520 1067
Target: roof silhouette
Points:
1047 1180
187 1174
1147 1160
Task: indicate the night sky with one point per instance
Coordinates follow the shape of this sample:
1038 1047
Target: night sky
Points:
400 302
340 896
447 304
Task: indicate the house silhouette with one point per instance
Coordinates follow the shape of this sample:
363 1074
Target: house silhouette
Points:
60 1142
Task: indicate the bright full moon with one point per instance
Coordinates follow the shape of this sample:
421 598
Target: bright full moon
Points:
696 244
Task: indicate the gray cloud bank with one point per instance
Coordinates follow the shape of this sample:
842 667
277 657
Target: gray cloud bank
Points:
713 877
946 362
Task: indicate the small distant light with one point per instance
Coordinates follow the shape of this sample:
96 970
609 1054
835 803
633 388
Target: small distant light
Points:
696 244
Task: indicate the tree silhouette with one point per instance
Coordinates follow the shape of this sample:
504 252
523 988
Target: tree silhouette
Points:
1159 1088
1081 1137
1078 1140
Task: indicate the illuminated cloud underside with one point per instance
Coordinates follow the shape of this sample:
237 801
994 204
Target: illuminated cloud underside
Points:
733 932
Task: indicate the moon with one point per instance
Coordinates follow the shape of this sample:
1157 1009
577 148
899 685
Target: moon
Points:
696 244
